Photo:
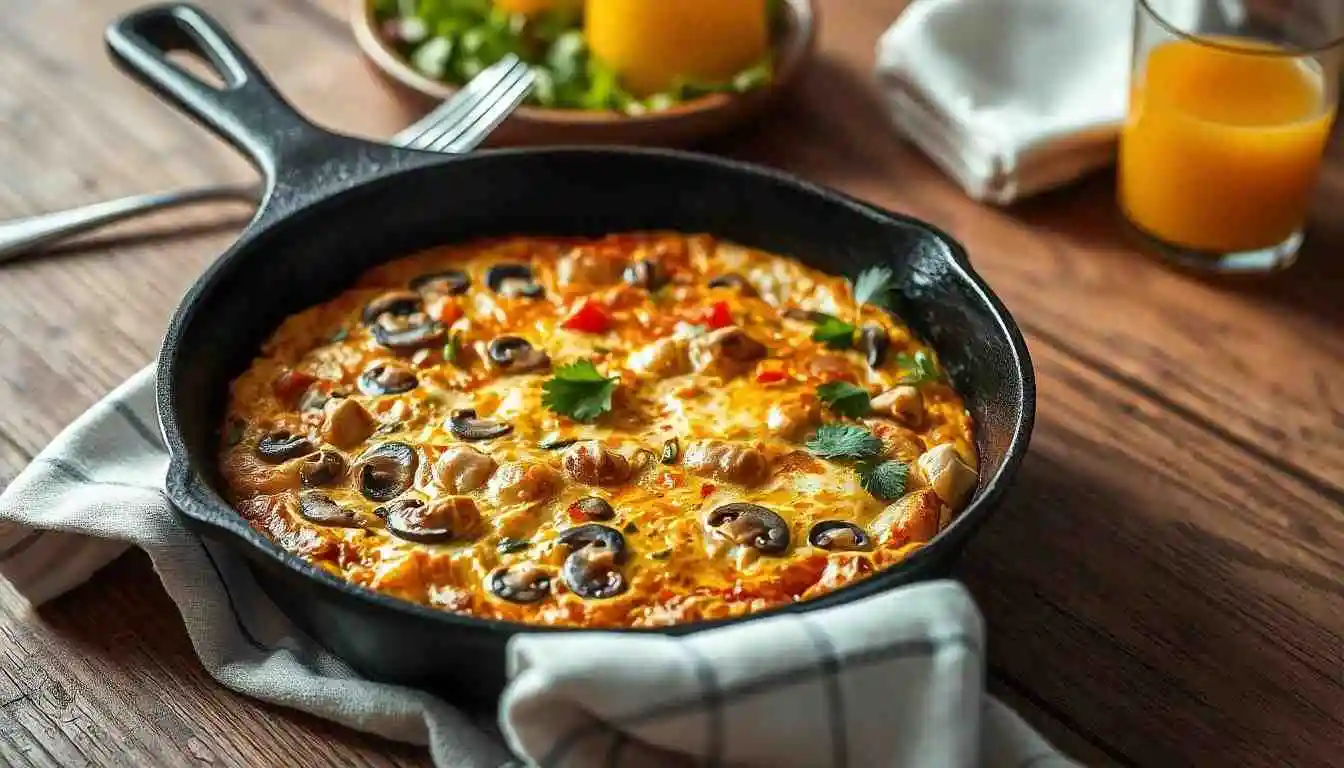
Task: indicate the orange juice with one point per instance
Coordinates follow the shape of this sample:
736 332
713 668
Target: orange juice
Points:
652 43
1220 149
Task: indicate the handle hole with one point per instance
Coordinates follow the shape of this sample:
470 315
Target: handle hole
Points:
198 67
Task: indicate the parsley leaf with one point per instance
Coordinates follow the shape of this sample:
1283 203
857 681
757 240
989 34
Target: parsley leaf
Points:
844 441
579 391
873 286
918 368
845 398
833 332
884 479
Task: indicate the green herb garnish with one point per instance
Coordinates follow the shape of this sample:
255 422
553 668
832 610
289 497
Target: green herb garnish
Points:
846 399
844 441
579 391
884 479
454 40
918 368
453 349
833 332
873 286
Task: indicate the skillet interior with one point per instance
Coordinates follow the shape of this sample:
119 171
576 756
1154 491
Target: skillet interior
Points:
287 263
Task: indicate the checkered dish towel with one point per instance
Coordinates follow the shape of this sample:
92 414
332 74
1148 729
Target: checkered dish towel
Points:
893 680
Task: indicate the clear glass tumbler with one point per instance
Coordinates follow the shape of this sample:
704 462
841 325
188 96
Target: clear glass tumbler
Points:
1231 104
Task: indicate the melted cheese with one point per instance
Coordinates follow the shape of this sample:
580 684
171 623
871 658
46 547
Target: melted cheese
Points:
677 570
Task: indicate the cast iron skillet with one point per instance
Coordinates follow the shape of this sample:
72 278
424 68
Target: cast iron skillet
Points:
336 206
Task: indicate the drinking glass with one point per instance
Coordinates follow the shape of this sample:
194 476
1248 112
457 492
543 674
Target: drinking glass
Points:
1230 106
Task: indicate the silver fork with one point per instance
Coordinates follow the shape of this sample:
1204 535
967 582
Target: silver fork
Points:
458 125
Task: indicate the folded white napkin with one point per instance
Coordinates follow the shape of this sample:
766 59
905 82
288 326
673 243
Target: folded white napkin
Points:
894 680
1012 97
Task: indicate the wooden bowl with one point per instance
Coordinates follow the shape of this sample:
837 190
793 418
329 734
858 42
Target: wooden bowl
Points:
681 125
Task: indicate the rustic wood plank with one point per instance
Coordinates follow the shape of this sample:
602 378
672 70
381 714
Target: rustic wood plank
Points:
106 676
1165 588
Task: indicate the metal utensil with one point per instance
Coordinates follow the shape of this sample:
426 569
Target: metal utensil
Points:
458 125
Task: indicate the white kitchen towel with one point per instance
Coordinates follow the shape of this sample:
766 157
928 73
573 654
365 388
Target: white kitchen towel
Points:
1012 97
894 680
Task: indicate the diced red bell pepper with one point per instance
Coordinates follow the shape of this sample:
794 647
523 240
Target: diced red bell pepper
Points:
588 317
445 310
718 316
291 385
771 376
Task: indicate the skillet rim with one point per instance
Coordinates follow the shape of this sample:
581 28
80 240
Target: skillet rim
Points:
191 496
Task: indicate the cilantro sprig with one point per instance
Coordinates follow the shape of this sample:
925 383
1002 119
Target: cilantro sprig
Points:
833 332
579 391
873 286
884 479
844 441
918 368
846 399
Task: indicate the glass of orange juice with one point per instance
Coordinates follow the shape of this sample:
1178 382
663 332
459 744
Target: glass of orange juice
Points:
1228 119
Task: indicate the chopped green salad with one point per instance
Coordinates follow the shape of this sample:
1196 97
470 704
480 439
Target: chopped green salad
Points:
453 40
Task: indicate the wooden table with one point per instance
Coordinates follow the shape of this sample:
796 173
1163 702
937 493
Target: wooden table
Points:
1165 586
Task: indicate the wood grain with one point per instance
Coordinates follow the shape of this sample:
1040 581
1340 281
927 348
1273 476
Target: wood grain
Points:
1164 587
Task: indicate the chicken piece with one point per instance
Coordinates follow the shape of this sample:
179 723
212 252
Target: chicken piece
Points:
592 463
904 404
792 420
523 483
346 423
915 517
586 266
944 472
463 469
725 352
897 442
729 462
662 358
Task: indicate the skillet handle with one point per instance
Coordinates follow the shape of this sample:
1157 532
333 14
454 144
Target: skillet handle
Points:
247 111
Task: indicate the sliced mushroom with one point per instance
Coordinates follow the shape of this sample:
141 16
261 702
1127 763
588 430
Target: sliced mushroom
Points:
722 460
725 352
317 507
407 332
523 483
943 470
346 423
282 445
520 583
512 280
463 469
645 274
441 520
465 425
387 378
839 536
517 355
671 450
591 463
392 303
874 342
387 471
903 403
453 282
592 570
661 358
594 508
750 525
734 280
322 468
